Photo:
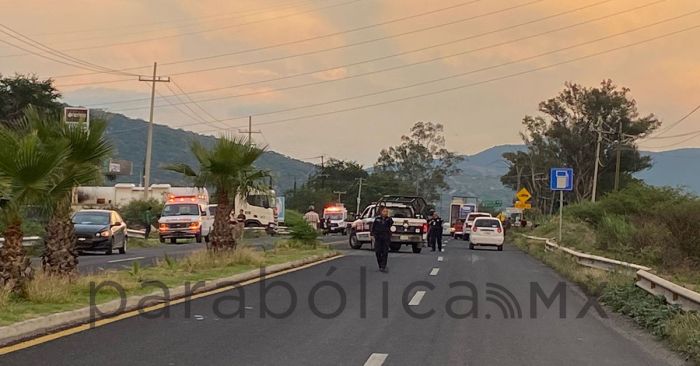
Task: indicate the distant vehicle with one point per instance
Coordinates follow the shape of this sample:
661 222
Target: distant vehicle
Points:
338 215
515 214
460 207
184 217
487 231
100 230
446 229
470 222
410 226
260 209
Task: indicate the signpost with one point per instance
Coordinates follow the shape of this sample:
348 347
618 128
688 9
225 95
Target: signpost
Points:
561 179
77 116
492 203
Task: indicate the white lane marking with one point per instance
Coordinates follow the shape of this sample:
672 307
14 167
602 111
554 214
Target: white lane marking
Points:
126 259
435 271
376 359
417 297
440 259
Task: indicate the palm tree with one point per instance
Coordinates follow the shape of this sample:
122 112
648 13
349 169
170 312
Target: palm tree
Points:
228 168
28 169
87 149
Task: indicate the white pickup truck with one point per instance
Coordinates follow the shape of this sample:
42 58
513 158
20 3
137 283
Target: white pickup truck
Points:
410 225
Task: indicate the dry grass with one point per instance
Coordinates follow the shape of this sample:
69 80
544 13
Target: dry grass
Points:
684 334
4 297
44 289
205 259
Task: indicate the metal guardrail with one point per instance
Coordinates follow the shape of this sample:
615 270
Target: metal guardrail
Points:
136 233
675 294
27 241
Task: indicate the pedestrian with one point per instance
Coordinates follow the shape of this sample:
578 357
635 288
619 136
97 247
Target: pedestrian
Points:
507 225
381 232
435 232
430 234
311 217
241 218
147 222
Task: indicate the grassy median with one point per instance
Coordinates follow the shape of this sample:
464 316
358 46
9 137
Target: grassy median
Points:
681 330
46 295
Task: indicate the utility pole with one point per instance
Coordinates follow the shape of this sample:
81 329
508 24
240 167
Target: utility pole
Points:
149 142
597 158
250 131
359 197
339 195
619 157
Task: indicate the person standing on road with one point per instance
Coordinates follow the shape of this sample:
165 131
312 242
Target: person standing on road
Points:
430 234
435 232
147 222
312 217
381 232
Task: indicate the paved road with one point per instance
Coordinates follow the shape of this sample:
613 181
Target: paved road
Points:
90 263
376 328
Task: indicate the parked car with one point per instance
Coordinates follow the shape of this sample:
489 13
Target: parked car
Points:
100 230
487 231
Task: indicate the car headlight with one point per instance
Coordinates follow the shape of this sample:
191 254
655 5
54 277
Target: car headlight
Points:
393 229
104 234
418 230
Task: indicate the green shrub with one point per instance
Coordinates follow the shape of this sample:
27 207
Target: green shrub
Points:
649 312
684 334
133 212
614 232
299 229
681 220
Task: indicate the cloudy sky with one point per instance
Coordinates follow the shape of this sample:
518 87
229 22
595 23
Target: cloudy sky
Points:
345 78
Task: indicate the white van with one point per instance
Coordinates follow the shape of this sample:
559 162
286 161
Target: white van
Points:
487 231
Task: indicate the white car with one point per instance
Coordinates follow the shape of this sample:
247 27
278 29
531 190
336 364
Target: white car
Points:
469 222
487 231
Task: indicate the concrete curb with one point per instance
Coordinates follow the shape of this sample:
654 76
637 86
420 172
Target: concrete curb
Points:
36 327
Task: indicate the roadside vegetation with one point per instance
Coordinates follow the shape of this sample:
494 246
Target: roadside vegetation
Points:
47 294
679 329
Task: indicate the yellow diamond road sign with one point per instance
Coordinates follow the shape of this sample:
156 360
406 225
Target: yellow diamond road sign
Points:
523 195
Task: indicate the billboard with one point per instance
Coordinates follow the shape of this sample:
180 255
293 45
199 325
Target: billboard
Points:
119 167
76 116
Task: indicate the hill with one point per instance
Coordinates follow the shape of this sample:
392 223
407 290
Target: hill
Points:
172 146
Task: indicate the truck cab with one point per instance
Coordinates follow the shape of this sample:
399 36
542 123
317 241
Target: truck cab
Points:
184 217
259 208
410 225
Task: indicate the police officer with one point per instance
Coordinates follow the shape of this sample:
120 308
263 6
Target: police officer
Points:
430 234
435 231
381 231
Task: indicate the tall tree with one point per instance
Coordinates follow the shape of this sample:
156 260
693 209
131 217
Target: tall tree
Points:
28 170
228 168
21 91
421 160
87 150
566 134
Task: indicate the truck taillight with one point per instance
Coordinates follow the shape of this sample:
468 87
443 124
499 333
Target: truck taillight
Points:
425 228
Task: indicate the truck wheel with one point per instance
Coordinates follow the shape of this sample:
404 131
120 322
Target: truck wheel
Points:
471 246
198 238
354 243
162 239
173 241
417 248
395 247
500 248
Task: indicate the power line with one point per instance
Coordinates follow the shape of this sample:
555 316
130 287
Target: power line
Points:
473 36
465 73
442 91
351 44
674 124
693 136
228 26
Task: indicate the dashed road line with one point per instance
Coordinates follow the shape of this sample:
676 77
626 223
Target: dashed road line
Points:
126 259
440 259
417 298
435 271
376 359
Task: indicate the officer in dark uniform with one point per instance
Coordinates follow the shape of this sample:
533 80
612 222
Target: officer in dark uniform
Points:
435 231
430 234
381 231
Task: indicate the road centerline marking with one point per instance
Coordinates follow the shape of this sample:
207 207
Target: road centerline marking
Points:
126 259
417 298
440 259
376 359
435 271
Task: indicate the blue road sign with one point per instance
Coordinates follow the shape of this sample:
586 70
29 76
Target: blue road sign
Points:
561 179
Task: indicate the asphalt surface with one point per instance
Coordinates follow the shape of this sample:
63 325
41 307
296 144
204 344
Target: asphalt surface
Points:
375 326
98 261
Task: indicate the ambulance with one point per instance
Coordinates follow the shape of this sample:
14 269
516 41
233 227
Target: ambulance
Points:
185 217
338 216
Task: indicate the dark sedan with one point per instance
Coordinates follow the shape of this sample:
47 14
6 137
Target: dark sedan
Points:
100 230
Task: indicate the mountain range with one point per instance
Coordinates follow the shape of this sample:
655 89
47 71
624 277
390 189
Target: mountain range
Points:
480 175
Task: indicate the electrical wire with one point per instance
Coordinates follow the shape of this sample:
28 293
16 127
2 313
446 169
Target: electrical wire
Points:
674 124
473 36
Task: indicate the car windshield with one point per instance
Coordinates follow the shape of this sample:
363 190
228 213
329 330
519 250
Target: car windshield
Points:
333 216
488 223
91 218
181 209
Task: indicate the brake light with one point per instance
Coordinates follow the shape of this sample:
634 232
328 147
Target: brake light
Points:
474 229
499 230
425 228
